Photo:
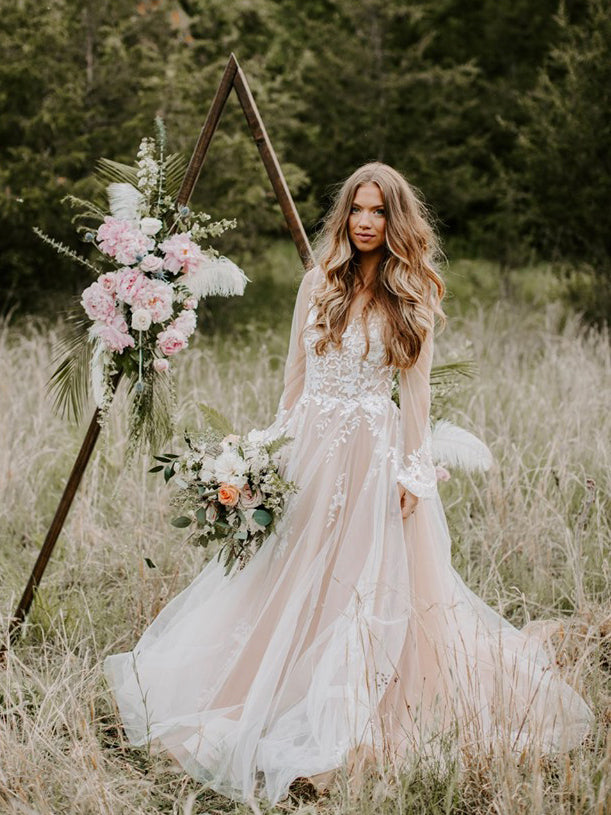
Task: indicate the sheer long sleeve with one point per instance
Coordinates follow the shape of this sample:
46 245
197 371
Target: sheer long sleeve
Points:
294 368
416 470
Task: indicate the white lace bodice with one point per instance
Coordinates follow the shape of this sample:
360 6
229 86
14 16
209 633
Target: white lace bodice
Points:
341 374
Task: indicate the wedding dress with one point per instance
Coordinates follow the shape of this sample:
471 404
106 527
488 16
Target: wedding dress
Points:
349 634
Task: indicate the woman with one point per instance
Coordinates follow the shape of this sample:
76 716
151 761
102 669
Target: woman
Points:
349 637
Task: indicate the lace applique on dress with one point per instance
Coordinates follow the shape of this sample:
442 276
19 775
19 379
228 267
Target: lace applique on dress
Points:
338 499
237 641
341 374
418 475
343 384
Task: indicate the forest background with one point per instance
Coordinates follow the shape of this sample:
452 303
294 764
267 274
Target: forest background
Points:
497 110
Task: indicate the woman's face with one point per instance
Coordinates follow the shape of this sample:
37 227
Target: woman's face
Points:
367 219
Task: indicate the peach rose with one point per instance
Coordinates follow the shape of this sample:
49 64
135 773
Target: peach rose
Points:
228 495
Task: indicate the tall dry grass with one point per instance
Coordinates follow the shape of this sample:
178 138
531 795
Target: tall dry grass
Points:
532 537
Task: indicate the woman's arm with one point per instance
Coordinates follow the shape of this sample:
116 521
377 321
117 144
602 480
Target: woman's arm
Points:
416 471
294 367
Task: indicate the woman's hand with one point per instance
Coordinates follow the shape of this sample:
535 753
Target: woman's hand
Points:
408 501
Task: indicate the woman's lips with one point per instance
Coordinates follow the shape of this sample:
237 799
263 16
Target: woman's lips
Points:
364 237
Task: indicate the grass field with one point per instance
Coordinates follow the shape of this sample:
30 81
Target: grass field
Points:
532 537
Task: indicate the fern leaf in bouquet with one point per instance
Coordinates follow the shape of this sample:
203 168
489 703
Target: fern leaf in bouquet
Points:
215 420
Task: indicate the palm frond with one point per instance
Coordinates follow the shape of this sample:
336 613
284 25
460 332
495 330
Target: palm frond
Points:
450 371
151 412
69 383
174 168
107 171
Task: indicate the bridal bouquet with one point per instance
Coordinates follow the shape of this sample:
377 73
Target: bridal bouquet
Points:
152 265
229 489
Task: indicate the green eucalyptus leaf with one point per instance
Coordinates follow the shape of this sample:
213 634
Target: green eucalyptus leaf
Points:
262 517
181 522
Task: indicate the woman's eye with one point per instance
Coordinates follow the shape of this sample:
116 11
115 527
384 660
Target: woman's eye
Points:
354 209
380 212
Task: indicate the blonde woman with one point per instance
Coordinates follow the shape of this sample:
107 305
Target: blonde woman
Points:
349 638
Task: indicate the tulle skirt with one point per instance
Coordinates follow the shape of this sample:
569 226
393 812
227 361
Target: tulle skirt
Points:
348 634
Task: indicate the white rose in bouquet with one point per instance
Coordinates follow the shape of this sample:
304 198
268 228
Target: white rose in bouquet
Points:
231 468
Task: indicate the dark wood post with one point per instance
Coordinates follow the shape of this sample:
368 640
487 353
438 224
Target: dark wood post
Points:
272 166
57 523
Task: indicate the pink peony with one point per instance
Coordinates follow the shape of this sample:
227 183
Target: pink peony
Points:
161 365
442 474
185 322
171 341
119 239
108 281
113 334
151 263
98 303
129 283
156 297
189 302
181 254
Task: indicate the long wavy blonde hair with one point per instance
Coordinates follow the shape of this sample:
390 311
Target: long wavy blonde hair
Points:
408 288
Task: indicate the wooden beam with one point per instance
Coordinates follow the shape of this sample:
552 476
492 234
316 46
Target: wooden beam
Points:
57 524
207 132
272 166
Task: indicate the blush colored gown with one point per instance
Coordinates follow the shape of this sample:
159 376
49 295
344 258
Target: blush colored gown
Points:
349 636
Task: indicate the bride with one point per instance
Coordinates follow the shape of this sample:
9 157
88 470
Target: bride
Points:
349 637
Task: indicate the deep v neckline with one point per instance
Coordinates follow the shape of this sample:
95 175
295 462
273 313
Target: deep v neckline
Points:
372 317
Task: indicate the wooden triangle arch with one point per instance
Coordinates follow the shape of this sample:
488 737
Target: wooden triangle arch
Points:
233 77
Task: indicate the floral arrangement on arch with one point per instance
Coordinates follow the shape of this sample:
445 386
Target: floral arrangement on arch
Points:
152 264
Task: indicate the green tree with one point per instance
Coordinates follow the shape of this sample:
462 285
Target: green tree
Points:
76 80
564 148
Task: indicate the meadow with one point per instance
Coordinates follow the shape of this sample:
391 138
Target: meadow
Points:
532 536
